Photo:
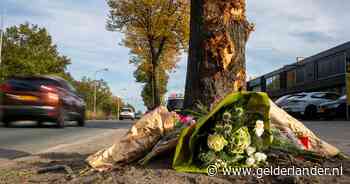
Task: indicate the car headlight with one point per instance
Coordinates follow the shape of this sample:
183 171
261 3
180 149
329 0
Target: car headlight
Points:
333 106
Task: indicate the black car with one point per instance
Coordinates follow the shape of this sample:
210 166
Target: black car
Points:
175 103
40 98
335 109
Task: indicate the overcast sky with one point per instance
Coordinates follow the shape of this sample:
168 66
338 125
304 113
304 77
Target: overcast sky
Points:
285 29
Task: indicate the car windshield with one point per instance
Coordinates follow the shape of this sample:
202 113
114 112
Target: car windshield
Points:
30 84
279 100
297 96
175 104
126 110
329 96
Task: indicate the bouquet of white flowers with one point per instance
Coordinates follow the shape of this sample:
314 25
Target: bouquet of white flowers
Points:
235 134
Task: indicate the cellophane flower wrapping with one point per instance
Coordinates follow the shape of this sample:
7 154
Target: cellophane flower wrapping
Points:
140 139
235 133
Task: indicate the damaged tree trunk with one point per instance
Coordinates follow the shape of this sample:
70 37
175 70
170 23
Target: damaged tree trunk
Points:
216 67
216 64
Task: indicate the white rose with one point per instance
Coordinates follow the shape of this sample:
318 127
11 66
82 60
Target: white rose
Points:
226 117
260 157
250 150
259 128
250 161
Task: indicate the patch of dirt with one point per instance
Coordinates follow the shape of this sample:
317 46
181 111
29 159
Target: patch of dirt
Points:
159 171
27 171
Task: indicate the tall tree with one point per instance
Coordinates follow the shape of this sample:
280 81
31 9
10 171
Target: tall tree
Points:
216 64
28 50
143 75
155 31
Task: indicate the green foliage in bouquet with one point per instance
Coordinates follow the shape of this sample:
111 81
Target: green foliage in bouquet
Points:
235 133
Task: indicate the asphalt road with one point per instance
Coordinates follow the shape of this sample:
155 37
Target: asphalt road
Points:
25 138
334 132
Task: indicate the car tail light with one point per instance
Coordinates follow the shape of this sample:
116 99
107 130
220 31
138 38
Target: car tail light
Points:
5 87
52 98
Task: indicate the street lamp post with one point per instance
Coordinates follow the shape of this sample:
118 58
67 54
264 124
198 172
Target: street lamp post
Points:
118 107
95 88
120 98
1 36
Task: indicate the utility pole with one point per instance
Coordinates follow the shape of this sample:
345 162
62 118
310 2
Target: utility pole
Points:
1 36
118 107
95 88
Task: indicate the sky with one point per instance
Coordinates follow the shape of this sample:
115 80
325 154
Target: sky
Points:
284 30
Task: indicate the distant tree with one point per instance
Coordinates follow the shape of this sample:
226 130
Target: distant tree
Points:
105 101
28 50
142 75
155 32
216 64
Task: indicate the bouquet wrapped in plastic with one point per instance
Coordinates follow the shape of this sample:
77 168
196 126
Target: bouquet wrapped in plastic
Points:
235 133
140 139
239 131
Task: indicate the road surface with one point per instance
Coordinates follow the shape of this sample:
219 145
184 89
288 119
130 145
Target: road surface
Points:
334 132
25 138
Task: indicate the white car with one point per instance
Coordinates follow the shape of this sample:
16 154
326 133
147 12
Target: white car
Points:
282 100
127 113
307 104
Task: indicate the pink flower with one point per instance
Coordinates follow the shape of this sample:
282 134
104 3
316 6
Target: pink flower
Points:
185 119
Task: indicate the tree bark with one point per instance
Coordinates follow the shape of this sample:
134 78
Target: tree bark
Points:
216 63
155 86
154 61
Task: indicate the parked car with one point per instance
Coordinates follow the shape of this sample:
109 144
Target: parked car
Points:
127 113
40 98
138 115
282 100
175 103
334 109
306 104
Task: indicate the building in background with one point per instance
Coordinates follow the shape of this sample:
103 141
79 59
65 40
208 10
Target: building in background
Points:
325 71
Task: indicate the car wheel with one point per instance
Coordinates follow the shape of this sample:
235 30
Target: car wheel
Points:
341 111
60 119
329 118
6 123
120 118
40 123
81 121
310 112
